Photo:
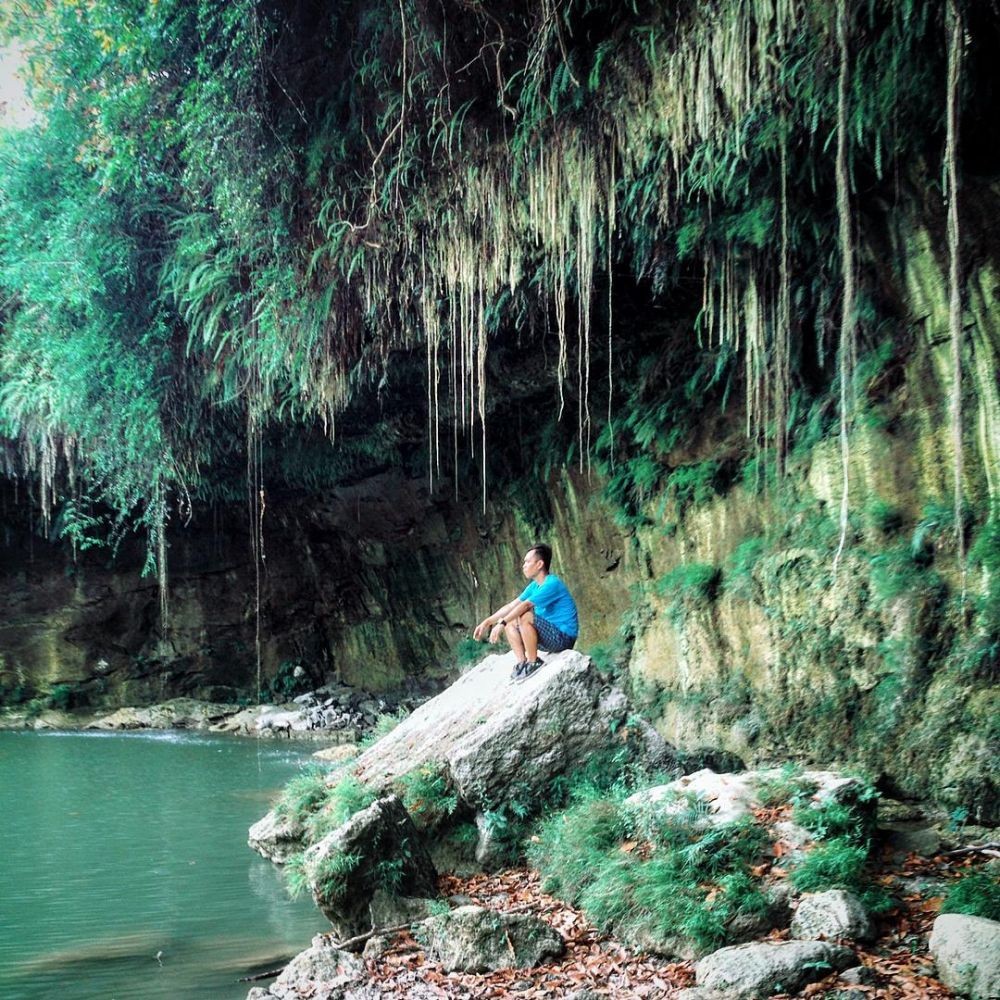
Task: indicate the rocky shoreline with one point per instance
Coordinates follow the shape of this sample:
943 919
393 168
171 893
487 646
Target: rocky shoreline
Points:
333 713
405 924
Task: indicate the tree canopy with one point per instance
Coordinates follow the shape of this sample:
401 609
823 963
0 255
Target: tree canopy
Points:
227 220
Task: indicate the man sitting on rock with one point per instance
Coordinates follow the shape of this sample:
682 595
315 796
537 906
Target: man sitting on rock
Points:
543 616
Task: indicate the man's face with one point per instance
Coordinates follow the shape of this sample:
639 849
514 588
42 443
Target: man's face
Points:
531 565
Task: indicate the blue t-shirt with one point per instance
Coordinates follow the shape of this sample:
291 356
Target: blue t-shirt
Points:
553 602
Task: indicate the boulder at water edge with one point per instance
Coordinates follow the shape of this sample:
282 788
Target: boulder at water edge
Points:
967 953
377 848
752 971
474 939
321 970
493 735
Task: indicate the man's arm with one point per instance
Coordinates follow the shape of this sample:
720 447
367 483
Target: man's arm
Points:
511 610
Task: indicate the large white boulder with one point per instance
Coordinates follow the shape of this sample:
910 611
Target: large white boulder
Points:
495 736
967 953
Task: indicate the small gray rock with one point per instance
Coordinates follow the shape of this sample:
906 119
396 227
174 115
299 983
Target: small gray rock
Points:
387 910
913 838
376 946
490 850
860 975
754 971
967 952
831 915
474 939
321 963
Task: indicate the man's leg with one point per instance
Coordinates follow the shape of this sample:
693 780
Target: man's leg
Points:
527 637
514 638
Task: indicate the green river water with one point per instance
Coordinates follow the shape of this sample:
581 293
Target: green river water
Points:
116 848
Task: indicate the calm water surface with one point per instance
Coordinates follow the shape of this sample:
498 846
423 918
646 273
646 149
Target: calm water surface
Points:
115 848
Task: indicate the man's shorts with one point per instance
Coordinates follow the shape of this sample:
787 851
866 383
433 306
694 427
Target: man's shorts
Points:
551 639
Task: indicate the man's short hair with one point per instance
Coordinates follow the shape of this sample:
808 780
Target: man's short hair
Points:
544 553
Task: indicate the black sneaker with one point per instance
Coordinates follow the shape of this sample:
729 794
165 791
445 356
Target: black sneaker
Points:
515 674
529 668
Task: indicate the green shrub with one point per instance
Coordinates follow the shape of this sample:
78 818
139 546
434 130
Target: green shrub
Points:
428 795
836 864
343 799
694 485
830 820
885 518
738 578
469 651
688 586
329 875
786 787
900 571
15 693
290 680
63 697
936 528
304 794
976 894
310 801
629 870
296 879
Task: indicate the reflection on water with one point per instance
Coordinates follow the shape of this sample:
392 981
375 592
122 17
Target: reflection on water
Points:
125 871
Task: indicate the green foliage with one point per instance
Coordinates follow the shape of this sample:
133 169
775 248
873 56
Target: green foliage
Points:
689 586
469 652
342 800
329 875
836 864
830 820
984 554
886 518
304 794
976 893
788 786
936 529
901 570
686 883
289 680
694 485
428 795
843 830
296 878
738 575
312 801
173 304
64 697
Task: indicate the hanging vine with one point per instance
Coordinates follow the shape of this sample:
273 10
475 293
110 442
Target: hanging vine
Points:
955 32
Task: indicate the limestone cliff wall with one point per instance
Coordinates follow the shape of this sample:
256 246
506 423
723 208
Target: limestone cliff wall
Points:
728 618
